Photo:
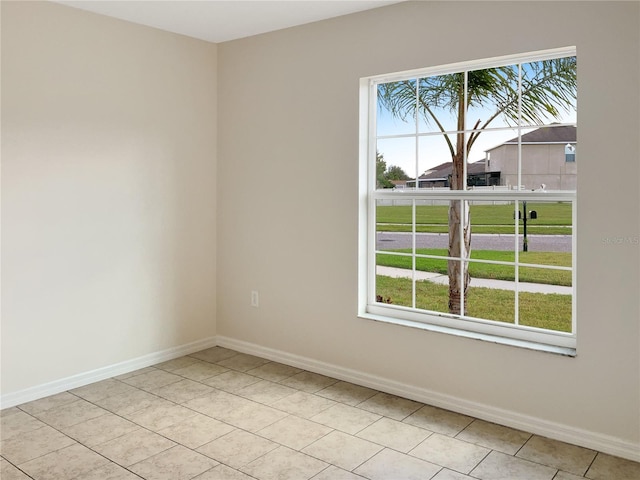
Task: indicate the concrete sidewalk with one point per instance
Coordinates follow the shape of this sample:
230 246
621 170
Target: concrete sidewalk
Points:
475 282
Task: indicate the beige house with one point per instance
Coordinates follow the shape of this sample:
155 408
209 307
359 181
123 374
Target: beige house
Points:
548 158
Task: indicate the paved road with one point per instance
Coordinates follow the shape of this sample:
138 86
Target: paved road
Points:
479 241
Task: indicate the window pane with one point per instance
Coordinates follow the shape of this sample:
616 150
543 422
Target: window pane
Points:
394 290
544 305
435 154
493 224
439 96
395 152
396 108
489 298
545 233
493 158
492 95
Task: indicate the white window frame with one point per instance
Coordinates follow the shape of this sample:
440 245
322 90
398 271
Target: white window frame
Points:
516 335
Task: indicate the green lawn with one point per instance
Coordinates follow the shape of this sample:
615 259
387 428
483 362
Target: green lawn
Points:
484 270
548 311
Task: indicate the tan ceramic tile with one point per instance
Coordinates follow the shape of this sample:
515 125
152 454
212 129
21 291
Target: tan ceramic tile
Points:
348 393
160 416
200 371
567 476
217 404
450 452
47 403
134 447
18 423
222 472
294 432
308 382
99 390
33 444
389 464
334 473
195 431
439 420
153 379
67 463
140 371
446 474
284 464
498 466
560 455
231 381
243 362
237 448
252 416
177 463
128 403
303 404
71 414
390 406
274 371
614 468
110 471
504 439
6 412
100 429
394 434
265 392
345 418
182 391
214 354
176 363
342 450
11 472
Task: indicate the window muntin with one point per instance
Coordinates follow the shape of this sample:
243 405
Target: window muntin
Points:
409 279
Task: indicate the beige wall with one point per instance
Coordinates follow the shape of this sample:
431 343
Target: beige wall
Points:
288 210
108 192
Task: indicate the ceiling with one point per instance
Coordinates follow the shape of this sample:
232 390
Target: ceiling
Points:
219 21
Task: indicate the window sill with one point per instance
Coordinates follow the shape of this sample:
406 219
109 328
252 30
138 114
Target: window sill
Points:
540 347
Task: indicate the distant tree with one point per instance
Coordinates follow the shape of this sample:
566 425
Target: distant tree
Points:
381 168
396 173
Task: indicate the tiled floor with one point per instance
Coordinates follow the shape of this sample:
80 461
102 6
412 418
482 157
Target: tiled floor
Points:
223 415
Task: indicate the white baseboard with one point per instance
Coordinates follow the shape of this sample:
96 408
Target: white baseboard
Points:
576 436
79 380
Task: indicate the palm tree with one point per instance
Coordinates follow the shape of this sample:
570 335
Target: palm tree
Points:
530 94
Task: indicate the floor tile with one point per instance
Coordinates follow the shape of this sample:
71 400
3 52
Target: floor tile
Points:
162 416
177 463
140 371
389 464
196 431
231 381
103 389
47 403
308 381
284 464
342 450
334 473
609 467
214 354
67 463
134 447
242 362
153 379
446 474
11 472
439 420
294 432
390 406
128 403
498 466
274 371
346 392
71 414
450 452
252 416
217 404
237 448
345 418
182 391
303 404
393 434
200 371
176 363
100 429
33 444
18 423
266 392
567 476
560 455
504 439
222 472
111 471
6 412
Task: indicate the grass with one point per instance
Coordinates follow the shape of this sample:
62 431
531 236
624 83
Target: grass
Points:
548 311
554 218
491 271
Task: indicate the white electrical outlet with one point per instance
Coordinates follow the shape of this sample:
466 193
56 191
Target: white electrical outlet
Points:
255 298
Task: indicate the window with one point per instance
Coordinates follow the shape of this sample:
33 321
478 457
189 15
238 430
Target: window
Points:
472 247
